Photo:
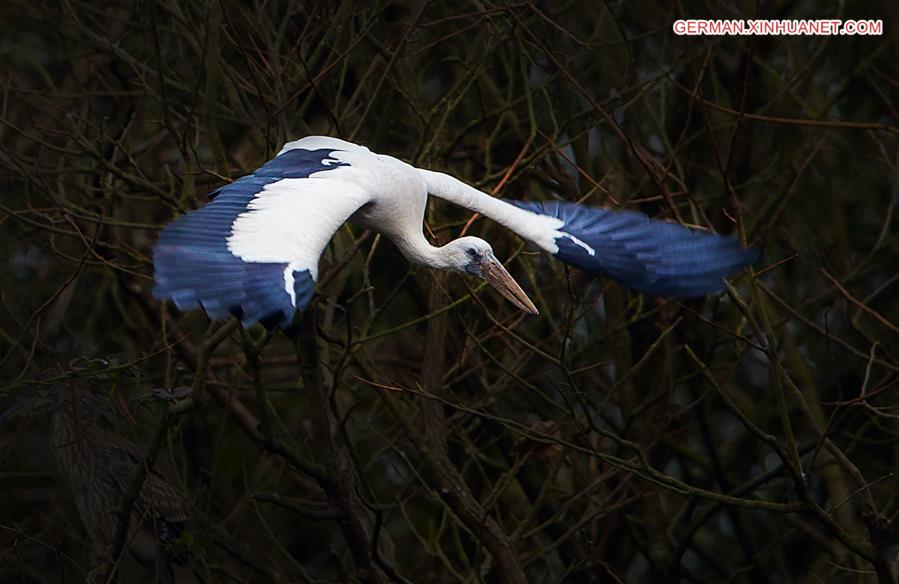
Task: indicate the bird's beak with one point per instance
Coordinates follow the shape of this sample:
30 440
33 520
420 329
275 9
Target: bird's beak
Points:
497 276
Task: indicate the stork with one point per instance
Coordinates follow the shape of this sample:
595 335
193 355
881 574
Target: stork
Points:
253 251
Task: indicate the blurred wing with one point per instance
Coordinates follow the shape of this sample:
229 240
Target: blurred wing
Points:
253 251
655 257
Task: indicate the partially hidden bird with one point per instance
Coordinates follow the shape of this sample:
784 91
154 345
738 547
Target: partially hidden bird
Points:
98 465
253 251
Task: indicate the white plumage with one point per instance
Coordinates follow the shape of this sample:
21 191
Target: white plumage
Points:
253 251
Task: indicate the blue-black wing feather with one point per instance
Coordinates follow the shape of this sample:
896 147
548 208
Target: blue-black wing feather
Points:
194 267
656 257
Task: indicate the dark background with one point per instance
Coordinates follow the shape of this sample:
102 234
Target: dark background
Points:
750 436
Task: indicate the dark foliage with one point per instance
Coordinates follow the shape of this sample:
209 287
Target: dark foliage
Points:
421 429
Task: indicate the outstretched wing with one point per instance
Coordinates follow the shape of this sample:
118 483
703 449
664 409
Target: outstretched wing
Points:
656 257
253 251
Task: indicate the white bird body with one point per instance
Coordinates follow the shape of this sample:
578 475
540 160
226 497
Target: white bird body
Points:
254 250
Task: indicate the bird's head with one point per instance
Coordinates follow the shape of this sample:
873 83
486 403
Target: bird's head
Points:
474 256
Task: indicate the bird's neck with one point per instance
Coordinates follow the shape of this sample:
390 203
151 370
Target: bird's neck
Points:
418 250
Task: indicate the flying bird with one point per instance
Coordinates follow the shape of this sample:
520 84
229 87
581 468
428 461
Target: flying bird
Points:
253 251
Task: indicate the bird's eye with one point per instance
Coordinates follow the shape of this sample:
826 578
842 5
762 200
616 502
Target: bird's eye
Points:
472 252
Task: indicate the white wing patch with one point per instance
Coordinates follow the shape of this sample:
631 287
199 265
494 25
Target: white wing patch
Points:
578 242
293 219
289 282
